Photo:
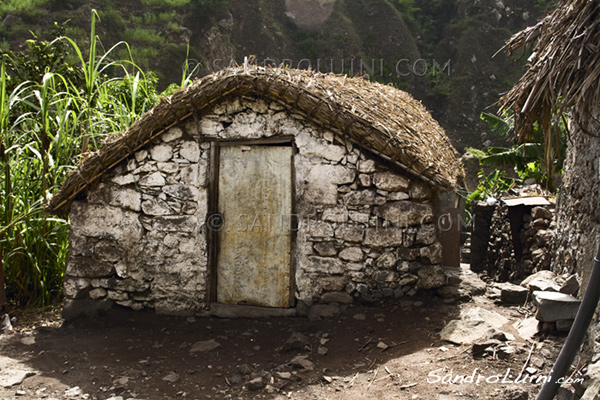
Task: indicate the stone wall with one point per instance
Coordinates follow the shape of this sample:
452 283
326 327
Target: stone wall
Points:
140 239
532 229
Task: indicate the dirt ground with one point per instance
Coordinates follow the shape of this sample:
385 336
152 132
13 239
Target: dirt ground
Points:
389 351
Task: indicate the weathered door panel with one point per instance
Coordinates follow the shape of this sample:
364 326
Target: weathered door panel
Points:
255 200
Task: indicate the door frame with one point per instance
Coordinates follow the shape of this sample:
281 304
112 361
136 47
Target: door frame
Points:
213 245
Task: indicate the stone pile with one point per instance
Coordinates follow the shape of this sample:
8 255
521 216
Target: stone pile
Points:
512 250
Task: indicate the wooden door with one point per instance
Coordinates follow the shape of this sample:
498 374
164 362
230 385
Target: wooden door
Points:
255 201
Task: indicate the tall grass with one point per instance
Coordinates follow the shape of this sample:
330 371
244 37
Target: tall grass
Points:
45 123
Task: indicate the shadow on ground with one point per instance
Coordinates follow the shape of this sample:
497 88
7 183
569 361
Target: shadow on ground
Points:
144 355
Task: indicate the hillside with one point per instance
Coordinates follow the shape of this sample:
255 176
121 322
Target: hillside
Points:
440 51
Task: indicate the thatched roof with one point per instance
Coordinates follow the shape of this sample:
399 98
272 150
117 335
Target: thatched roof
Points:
564 68
384 120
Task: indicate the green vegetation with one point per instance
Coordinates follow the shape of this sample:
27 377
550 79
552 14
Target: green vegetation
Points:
50 111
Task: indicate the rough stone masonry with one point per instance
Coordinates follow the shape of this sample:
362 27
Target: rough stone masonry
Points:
140 238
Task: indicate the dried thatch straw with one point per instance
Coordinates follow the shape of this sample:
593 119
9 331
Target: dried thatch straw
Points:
564 69
379 118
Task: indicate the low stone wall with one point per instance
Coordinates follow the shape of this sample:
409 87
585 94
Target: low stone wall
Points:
140 238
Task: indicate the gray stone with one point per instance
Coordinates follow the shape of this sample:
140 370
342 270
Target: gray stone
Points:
542 281
359 198
171 377
141 155
350 233
364 180
571 286
554 306
405 213
317 229
85 267
181 192
419 191
171 135
387 260
513 294
384 237
335 214
408 279
336 297
309 146
432 254
527 328
354 254
124 198
302 362
325 249
161 152
190 151
318 311
367 166
323 180
154 179
467 332
156 207
463 284
431 277
256 383
390 181
97 293
334 283
74 288
176 223
12 376
123 180
204 346
426 234
541 212
324 264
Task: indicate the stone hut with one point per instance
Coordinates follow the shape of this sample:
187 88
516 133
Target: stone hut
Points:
274 188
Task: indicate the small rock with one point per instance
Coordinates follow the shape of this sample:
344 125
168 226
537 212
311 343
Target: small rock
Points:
204 346
542 281
531 370
382 346
302 362
505 352
20 393
256 383
75 391
484 346
527 328
513 294
28 340
283 375
171 377
469 332
359 317
571 286
296 341
122 381
322 350
327 379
